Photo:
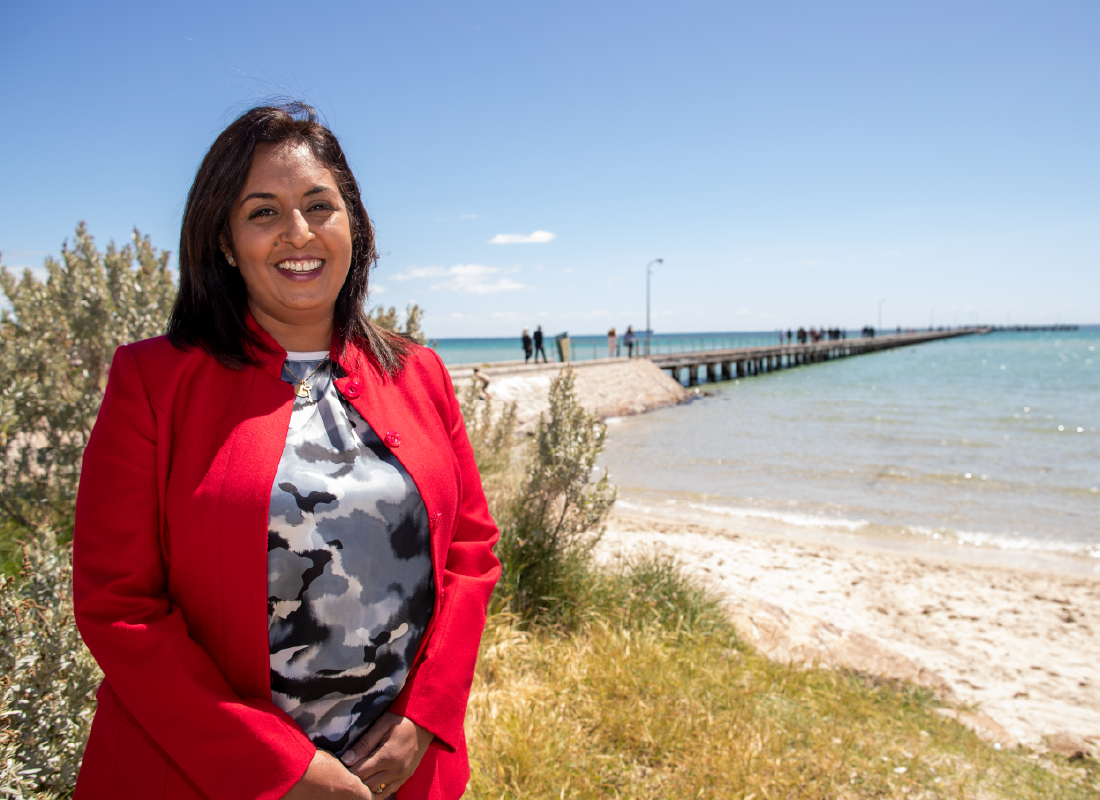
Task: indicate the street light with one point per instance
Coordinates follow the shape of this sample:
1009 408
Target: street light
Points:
648 272
880 302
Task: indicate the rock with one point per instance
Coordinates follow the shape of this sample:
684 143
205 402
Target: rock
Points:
987 729
1070 745
787 636
608 387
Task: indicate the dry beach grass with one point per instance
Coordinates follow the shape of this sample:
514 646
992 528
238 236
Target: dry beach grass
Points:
633 704
1018 643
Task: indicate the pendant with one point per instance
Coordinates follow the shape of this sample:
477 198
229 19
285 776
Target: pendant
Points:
303 389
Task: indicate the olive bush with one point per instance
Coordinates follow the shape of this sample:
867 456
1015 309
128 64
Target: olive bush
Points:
56 344
47 677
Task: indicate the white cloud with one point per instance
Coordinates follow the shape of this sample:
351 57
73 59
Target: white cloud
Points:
465 278
420 272
538 237
467 216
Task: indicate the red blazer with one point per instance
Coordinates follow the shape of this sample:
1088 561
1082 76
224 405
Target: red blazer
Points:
170 571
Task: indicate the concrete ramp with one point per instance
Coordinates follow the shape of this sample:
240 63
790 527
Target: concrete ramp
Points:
613 387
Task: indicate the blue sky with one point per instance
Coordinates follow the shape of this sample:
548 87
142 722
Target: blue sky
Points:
792 162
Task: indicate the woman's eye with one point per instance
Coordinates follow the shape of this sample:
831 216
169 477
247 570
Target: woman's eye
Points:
321 207
261 212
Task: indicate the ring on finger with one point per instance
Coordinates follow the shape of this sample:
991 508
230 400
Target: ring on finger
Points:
381 786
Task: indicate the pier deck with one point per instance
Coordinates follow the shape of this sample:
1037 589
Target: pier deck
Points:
744 361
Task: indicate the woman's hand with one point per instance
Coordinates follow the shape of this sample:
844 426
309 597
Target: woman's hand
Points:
389 752
328 779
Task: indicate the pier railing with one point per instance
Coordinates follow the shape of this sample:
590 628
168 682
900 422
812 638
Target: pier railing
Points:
740 362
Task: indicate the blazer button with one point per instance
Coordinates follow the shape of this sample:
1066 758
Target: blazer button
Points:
351 389
393 439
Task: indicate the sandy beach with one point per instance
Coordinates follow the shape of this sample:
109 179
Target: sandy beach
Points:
1016 643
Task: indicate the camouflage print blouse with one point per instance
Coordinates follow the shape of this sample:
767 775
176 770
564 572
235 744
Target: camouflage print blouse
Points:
349 570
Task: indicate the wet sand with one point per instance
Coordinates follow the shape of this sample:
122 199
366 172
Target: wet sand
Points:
1018 643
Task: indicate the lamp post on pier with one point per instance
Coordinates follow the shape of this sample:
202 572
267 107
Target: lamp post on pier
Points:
648 272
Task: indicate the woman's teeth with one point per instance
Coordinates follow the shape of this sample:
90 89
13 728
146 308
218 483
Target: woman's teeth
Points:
301 266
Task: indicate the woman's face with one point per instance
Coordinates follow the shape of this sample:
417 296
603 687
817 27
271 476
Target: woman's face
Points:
291 236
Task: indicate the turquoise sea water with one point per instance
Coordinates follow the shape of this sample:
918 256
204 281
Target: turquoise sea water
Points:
983 446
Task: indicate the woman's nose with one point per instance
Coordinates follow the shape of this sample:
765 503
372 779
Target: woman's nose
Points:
298 232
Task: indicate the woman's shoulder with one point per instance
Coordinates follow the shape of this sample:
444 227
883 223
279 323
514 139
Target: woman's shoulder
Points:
423 364
163 367
159 355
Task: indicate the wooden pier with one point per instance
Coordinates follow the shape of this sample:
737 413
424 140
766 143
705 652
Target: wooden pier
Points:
741 362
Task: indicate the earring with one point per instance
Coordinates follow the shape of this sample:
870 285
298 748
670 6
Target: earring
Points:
229 258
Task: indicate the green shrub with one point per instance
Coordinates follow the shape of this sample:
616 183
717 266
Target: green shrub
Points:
56 344
47 677
549 509
389 320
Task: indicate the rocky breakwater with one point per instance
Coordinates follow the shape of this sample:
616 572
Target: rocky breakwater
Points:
613 387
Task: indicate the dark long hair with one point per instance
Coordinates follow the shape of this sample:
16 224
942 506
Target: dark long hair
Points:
212 303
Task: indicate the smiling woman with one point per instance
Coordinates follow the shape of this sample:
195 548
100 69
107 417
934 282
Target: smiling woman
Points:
275 178
282 552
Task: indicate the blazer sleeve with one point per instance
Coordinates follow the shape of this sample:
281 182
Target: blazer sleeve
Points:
437 691
231 747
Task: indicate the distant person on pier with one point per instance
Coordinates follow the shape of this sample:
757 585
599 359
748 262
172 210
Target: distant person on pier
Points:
538 346
612 340
628 340
802 336
526 345
789 336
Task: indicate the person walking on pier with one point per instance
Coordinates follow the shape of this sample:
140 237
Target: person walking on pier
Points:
538 346
526 346
612 340
628 340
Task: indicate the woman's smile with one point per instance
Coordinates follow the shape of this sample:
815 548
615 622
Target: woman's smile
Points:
301 267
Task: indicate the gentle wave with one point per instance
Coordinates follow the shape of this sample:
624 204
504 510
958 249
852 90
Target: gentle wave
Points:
946 536
1003 542
801 520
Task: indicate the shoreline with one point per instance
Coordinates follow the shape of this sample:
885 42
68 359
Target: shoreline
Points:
1012 641
802 527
